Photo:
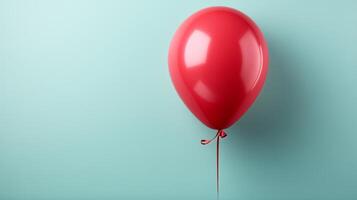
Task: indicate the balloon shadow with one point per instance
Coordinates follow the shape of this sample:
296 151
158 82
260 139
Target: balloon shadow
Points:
269 130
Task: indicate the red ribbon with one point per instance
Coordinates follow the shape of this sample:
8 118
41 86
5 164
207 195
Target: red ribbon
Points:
220 134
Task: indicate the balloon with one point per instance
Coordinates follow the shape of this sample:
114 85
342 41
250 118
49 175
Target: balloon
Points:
218 62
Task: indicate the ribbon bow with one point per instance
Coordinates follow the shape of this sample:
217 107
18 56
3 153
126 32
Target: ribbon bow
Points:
220 134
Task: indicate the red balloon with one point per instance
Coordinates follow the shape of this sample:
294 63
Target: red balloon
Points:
218 62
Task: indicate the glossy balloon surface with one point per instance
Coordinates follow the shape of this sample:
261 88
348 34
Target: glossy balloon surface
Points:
218 61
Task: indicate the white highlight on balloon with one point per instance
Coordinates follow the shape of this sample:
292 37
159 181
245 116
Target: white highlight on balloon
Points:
204 92
196 48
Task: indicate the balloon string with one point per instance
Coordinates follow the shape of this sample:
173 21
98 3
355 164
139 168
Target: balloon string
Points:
217 166
220 134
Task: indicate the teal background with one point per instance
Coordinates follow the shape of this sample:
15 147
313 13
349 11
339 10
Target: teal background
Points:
87 109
